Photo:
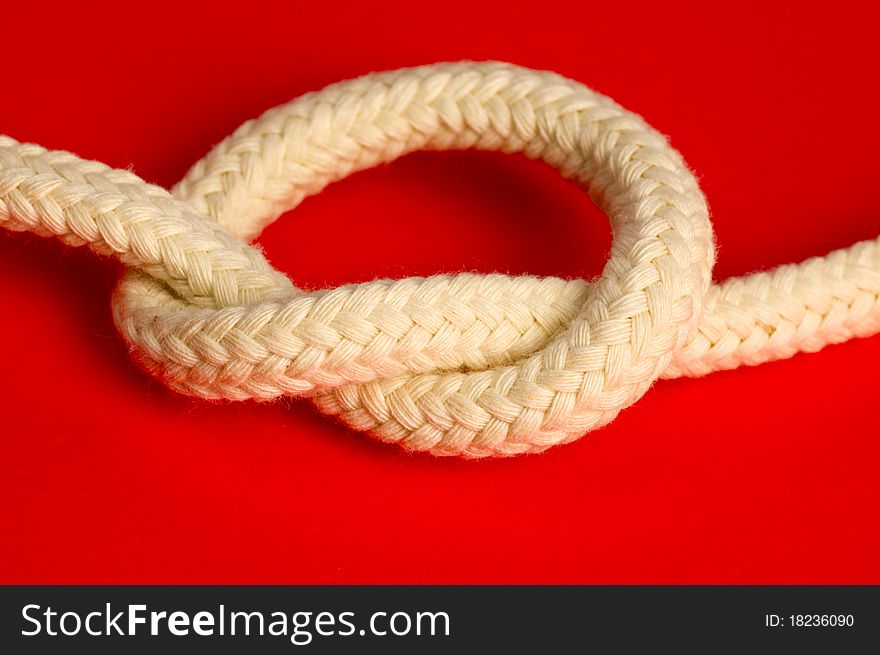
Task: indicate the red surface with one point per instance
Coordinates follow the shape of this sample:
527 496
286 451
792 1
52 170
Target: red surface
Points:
766 474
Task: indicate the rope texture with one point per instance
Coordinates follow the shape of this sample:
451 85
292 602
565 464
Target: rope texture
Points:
471 365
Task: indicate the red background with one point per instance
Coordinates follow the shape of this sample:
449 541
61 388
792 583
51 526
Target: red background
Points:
764 474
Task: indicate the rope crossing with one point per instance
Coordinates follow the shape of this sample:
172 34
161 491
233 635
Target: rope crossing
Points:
471 365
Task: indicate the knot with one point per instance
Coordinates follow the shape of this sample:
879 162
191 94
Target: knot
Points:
472 365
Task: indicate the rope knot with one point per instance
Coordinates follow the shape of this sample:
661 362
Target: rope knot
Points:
471 365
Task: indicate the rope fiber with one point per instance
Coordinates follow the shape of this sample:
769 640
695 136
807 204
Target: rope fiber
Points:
470 365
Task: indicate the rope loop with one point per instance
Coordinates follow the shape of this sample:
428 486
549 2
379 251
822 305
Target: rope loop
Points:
471 365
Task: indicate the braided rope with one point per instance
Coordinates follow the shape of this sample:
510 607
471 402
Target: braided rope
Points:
468 365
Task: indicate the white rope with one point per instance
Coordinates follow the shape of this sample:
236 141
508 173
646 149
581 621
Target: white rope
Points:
467 365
